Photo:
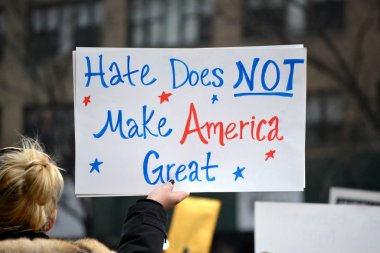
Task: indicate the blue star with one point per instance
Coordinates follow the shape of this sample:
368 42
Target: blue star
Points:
214 98
238 173
95 165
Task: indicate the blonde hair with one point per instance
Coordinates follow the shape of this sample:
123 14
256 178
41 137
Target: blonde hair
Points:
30 187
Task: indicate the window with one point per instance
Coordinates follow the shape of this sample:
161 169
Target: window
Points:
278 18
264 18
54 126
325 14
167 23
58 29
324 118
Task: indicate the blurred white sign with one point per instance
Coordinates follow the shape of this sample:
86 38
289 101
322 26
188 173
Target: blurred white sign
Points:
339 195
245 208
316 228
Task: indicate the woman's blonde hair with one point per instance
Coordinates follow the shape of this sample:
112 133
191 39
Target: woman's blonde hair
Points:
30 187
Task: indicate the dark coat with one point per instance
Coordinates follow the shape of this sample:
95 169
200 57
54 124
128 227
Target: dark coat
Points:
144 229
21 233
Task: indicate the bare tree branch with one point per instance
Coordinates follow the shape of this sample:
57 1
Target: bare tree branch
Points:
348 79
359 43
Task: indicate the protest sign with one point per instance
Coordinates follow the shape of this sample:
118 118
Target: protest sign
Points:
193 225
315 228
213 119
341 195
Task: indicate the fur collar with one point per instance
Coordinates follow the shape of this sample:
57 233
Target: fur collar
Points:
24 245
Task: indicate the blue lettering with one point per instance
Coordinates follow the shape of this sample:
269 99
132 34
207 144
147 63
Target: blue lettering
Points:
110 125
243 74
263 73
146 122
133 128
116 79
130 72
214 72
266 89
90 74
207 167
180 172
291 62
158 169
144 72
168 168
172 61
193 77
193 73
162 123
194 173
204 73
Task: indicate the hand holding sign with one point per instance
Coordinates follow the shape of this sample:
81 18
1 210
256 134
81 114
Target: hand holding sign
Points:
166 196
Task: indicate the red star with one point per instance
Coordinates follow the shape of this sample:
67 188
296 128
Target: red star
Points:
164 97
270 154
86 100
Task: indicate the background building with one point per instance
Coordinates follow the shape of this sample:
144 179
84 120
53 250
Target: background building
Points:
343 106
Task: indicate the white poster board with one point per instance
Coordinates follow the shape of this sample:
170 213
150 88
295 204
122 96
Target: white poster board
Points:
316 228
214 120
340 195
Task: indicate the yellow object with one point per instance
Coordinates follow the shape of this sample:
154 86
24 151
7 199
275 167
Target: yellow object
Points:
193 225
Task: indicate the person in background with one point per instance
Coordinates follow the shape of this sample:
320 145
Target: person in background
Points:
30 187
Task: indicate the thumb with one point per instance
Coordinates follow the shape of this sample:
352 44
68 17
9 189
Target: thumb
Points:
177 196
180 195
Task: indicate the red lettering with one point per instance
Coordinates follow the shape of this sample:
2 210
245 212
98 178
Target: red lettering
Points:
187 131
243 124
230 129
215 126
258 131
265 130
274 132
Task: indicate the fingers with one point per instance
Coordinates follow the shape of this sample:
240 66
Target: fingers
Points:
170 184
177 196
166 196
